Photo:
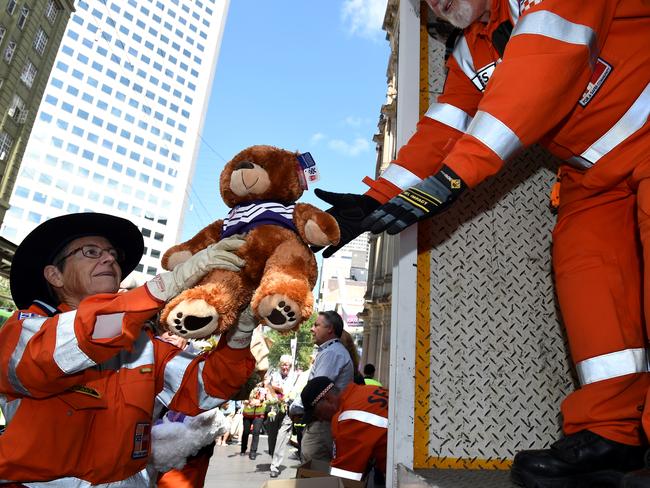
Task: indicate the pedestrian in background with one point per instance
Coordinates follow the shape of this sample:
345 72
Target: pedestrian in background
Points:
332 360
253 417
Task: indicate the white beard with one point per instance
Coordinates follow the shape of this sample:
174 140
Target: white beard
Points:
461 15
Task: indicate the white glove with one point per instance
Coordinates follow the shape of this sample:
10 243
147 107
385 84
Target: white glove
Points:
239 337
167 285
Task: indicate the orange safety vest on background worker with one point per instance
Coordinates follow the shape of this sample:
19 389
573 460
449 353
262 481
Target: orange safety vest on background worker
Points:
359 431
574 77
79 402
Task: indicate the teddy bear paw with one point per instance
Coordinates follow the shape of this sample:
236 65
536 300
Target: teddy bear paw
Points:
316 236
279 312
193 319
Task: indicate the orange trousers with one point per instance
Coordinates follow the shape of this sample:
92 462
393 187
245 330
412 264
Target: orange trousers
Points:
193 473
598 246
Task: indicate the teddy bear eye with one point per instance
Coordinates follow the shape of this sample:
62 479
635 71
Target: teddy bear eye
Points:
244 165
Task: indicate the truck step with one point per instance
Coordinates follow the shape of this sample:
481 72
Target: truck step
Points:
453 478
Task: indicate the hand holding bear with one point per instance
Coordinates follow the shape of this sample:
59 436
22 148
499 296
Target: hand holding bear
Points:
221 255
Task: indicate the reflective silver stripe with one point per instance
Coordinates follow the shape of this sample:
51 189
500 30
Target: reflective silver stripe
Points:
513 5
141 479
366 417
174 373
612 365
449 115
29 327
400 176
579 163
9 408
141 354
463 57
494 134
206 402
635 118
67 354
342 473
108 326
548 24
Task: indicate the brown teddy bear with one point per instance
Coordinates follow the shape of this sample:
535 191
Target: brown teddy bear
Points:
261 185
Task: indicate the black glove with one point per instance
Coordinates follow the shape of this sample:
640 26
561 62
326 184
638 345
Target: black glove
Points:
429 197
349 210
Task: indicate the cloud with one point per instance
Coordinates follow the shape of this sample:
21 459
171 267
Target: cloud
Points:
353 148
364 17
317 137
352 121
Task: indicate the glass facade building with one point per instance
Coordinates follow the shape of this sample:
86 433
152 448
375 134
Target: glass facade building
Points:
119 125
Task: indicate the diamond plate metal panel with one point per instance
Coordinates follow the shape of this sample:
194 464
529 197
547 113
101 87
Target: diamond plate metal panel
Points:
499 363
498 360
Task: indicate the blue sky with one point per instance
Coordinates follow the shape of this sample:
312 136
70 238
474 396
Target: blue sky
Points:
302 75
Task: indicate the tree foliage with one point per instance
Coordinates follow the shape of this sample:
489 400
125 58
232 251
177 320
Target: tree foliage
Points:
5 294
282 344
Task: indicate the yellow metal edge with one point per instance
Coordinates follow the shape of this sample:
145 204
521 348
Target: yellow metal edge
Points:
421 437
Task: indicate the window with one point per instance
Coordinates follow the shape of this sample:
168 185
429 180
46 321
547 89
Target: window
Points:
9 51
6 141
22 20
28 74
17 110
52 10
40 41
151 270
11 7
3 31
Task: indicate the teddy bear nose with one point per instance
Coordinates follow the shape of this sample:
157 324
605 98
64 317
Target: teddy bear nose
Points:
244 165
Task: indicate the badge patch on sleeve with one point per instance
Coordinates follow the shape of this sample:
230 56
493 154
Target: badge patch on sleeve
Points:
483 76
598 77
526 4
141 440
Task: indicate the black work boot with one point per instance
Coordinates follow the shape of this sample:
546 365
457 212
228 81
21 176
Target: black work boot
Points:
640 478
580 460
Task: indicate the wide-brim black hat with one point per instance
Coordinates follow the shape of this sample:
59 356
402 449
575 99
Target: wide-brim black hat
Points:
42 244
314 391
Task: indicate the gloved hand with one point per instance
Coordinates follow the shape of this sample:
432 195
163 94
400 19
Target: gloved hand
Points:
429 197
349 210
239 337
220 255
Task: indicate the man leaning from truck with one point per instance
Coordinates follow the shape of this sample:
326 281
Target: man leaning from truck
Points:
81 377
575 77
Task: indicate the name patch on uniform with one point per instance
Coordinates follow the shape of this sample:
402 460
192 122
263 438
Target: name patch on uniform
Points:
141 440
86 390
483 76
598 77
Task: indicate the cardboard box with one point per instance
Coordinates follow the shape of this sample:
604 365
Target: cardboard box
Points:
317 469
322 482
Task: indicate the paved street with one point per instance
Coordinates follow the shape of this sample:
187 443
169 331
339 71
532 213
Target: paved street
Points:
229 469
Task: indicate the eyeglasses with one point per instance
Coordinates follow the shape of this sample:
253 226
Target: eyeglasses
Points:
92 251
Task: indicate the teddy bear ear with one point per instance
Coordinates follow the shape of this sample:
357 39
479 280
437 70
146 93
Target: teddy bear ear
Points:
175 256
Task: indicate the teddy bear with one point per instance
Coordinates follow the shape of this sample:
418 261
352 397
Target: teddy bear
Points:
260 185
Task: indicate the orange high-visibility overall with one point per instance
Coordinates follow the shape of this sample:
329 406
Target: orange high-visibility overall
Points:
574 77
79 389
359 431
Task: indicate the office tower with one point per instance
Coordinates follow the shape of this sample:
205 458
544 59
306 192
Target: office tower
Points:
30 34
119 126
